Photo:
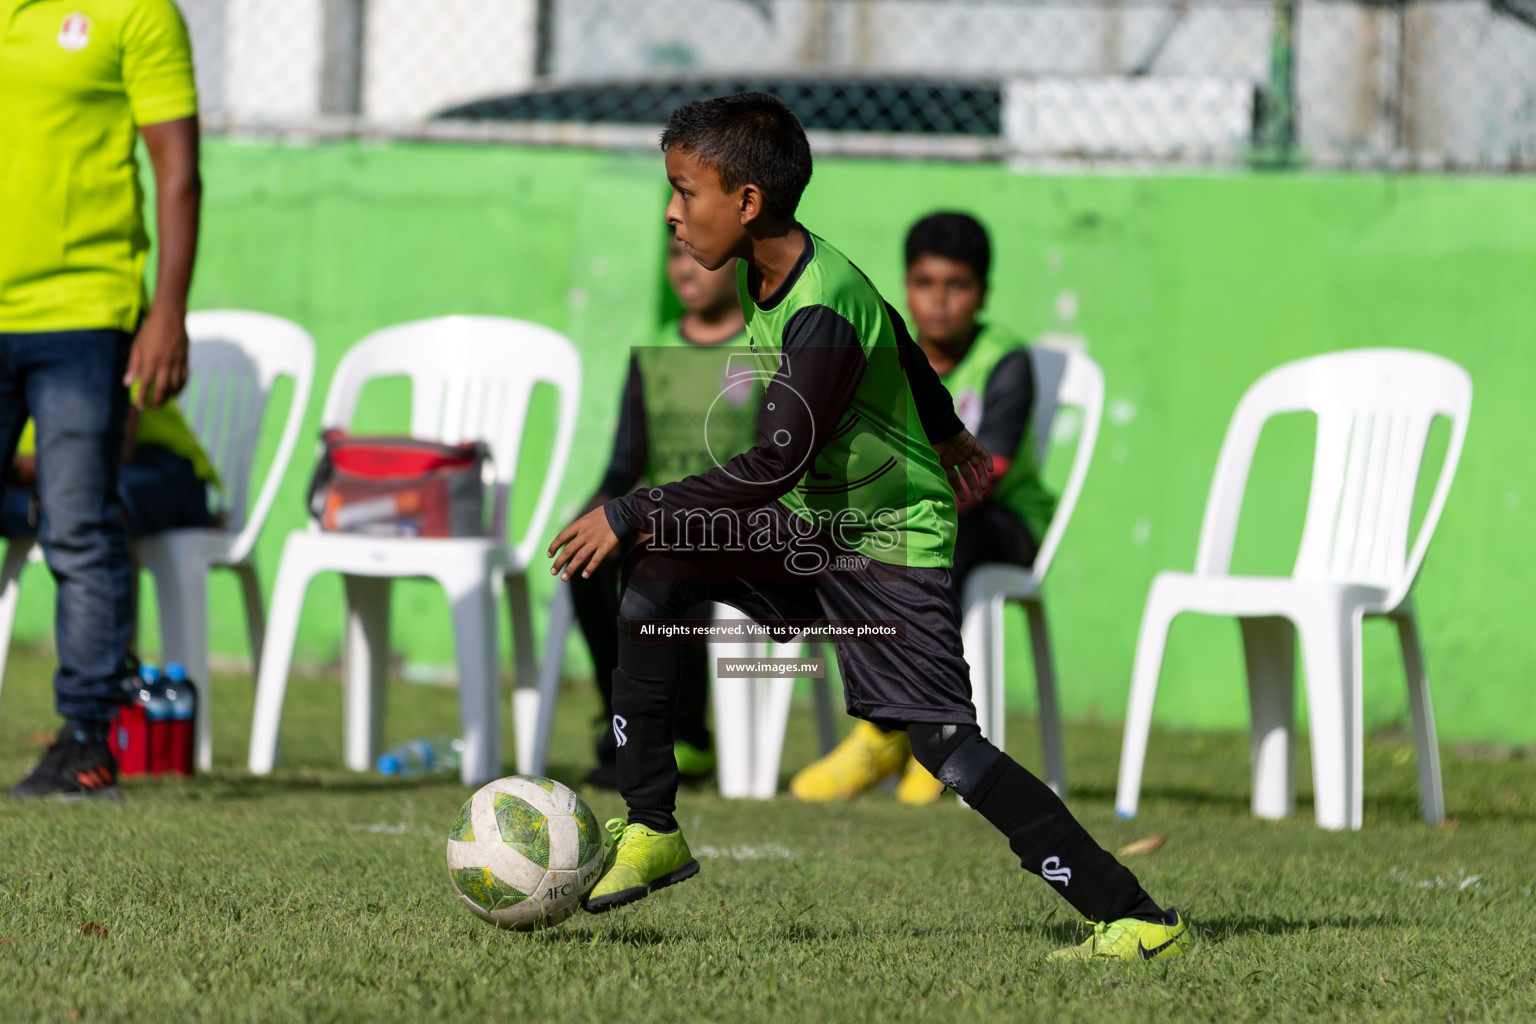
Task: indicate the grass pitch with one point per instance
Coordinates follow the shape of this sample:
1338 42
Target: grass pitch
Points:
322 895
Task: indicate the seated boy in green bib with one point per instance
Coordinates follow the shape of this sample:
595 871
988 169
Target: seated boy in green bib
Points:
842 515
987 370
670 426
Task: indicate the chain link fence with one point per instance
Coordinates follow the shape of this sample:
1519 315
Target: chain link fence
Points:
1397 84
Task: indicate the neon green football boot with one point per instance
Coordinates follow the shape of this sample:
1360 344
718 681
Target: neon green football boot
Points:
1132 939
694 764
640 860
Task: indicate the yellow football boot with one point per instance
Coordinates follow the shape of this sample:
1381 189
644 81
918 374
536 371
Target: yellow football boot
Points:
917 785
859 763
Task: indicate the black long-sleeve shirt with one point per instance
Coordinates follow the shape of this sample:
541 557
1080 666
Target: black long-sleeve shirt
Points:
802 406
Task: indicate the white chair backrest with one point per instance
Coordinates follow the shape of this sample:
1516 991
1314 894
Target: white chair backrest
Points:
472 378
1374 408
236 359
1064 378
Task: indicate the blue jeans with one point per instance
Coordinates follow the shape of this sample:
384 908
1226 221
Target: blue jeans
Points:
71 384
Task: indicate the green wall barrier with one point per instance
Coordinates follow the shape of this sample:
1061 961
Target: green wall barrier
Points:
1185 289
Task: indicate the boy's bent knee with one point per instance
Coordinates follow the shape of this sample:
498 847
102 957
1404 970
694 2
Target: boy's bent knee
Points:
958 756
649 600
639 604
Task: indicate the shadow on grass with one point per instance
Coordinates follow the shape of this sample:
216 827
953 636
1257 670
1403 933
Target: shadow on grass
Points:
253 787
1394 808
1227 927
1204 798
1218 929
620 933
233 783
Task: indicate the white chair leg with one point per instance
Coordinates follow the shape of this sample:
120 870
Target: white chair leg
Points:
975 638
525 693
997 675
1330 651
366 668
1269 647
735 703
255 611
1151 642
473 603
16 551
276 657
181 590
560 615
1050 710
1431 797
774 695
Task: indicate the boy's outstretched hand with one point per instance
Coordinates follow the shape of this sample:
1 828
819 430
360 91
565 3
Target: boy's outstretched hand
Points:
583 545
967 464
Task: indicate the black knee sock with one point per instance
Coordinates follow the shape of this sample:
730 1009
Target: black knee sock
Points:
645 687
1041 831
596 604
693 696
644 705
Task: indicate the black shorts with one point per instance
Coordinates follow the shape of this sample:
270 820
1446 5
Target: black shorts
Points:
921 677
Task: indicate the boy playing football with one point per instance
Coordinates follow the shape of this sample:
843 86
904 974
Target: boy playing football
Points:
841 511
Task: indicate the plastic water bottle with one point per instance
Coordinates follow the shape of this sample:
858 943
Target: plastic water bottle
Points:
181 693
427 756
157 711
130 738
152 693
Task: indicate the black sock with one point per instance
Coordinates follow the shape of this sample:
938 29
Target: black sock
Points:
646 686
643 710
690 724
644 727
87 730
1048 841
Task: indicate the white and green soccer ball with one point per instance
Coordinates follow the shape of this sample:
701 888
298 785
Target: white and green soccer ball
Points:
524 851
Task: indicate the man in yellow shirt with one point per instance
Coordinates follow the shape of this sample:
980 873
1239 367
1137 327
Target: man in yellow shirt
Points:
80 82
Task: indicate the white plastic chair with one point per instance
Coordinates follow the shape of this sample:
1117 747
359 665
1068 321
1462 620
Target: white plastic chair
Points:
236 359
1062 378
751 714
1374 408
472 378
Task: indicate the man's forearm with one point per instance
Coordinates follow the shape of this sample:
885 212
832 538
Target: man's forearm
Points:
177 214
178 201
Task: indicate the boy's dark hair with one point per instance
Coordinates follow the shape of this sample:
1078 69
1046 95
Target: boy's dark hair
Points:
749 138
954 236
